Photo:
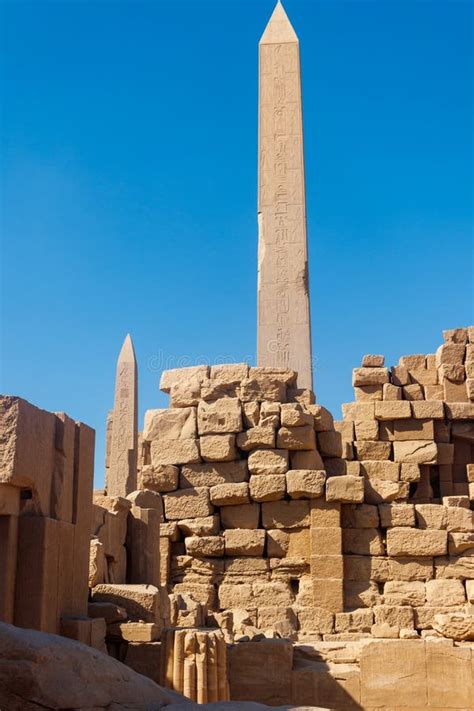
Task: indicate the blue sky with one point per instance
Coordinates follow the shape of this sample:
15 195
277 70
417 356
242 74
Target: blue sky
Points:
128 188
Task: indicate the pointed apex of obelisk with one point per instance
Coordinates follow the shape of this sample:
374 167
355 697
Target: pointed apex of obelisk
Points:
279 29
127 353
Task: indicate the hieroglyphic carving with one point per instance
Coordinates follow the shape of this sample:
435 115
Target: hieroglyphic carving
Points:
122 470
284 334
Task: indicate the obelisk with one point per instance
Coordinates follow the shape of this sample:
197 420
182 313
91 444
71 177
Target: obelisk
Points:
284 330
122 470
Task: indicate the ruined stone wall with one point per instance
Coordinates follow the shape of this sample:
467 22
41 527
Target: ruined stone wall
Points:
46 471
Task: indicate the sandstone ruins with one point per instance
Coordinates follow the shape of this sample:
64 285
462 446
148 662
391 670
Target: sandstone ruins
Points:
248 547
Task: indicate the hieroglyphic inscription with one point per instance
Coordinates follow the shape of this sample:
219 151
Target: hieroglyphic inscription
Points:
284 337
122 470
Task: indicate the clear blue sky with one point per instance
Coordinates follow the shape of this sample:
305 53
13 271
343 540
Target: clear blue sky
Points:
128 187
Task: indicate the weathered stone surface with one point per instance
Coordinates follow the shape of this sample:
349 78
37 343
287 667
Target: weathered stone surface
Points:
369 376
393 673
393 515
218 448
187 503
389 471
293 415
296 438
285 514
378 491
305 483
50 672
205 546
261 670
392 410
212 473
271 487
373 450
445 593
219 417
360 516
179 375
400 616
174 451
458 626
364 541
449 670
242 516
230 494
268 461
309 459
398 592
206 526
431 516
346 489
142 602
417 451
256 438
240 541
262 387
163 478
416 542
178 423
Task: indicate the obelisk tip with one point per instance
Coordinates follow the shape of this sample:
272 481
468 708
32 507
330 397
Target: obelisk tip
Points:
127 352
279 29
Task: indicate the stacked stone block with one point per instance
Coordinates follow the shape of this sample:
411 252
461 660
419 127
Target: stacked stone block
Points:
46 470
238 458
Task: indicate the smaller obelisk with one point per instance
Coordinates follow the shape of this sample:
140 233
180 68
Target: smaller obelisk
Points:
122 470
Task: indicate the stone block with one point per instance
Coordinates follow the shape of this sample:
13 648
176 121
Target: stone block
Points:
410 472
355 621
346 489
399 592
268 461
378 491
413 429
271 487
460 543
229 494
8 564
220 417
459 519
415 452
187 503
389 471
428 409
360 516
310 459
431 516
410 568
361 594
256 438
326 541
445 593
212 474
373 361
324 514
364 541
285 514
180 375
450 353
413 392
305 483
162 479
450 679
358 411
416 542
392 410
369 376
218 448
400 616
205 526
261 670
460 567
330 443
367 429
393 673
241 541
262 387
417 360
293 415
328 593
9 500
142 602
174 451
373 450
368 393
143 545
400 375
393 515
178 423
229 372
296 438
392 392
327 566
205 546
278 543
361 568
243 516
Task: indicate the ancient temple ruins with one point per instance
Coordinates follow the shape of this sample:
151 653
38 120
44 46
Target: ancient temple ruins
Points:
248 546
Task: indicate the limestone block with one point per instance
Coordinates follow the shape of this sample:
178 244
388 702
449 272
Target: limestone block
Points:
293 415
413 392
411 429
445 593
229 494
416 542
346 489
365 541
393 673
444 664
326 541
218 448
204 593
285 514
384 469
135 631
398 592
459 519
179 375
328 593
363 568
432 393
146 499
9 500
360 516
305 483
213 473
204 546
373 450
431 516
324 514
268 461
330 443
229 372
296 438
400 375
250 413
281 619
457 626
315 620
456 335
394 515
461 502
336 466
285 375
170 424
186 393
271 593
262 387
410 568
355 621
206 526
378 491
358 411
212 390
256 438
163 478
416 451
410 472
261 670
327 566
174 451
142 602
460 543
459 410
418 360
424 376
453 372
353 468
278 543
270 487
367 429
400 616
219 417
369 376
187 503
361 594
427 409
373 361
97 563
8 566
392 410
450 353
392 392
461 567
243 516
242 541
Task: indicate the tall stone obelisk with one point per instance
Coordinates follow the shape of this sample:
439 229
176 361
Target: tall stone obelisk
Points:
284 331
122 469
